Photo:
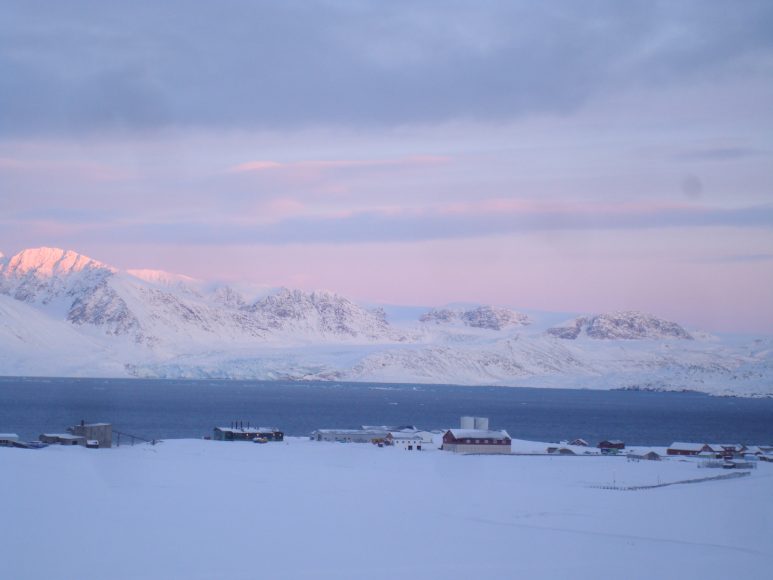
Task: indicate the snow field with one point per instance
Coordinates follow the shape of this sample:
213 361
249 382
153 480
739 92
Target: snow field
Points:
199 509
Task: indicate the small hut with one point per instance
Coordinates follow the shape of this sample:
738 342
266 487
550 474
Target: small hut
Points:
8 439
62 439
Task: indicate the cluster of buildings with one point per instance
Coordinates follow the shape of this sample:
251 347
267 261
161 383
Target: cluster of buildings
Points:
606 447
91 435
721 450
406 437
473 436
708 451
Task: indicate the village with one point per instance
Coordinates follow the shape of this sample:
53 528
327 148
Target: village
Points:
474 490
473 437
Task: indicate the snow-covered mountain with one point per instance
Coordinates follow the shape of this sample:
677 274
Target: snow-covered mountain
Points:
322 313
159 308
64 314
621 326
43 275
488 317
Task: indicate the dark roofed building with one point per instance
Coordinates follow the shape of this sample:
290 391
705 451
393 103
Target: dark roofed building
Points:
8 439
247 434
678 448
63 439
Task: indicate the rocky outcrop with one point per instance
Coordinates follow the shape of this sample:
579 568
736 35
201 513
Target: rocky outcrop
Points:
629 325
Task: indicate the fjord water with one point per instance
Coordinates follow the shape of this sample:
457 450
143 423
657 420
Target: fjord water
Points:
159 409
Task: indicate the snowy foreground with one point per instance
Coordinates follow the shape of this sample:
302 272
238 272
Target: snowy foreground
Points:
199 509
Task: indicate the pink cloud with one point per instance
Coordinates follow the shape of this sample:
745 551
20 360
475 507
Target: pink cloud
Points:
283 207
265 165
255 166
508 205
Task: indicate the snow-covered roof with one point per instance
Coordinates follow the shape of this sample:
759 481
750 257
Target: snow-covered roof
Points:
478 434
642 452
247 430
353 431
404 436
426 434
8 436
63 436
718 446
390 428
688 446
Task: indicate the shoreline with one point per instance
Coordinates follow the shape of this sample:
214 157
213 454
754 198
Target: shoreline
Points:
398 385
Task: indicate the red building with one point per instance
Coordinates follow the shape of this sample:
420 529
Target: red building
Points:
476 441
689 448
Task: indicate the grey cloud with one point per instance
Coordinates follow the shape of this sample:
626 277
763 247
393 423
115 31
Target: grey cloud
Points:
87 65
741 259
720 154
407 227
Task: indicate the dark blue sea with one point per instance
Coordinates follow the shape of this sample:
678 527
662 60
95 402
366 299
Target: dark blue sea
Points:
159 409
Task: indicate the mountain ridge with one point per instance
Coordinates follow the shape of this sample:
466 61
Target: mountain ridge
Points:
87 318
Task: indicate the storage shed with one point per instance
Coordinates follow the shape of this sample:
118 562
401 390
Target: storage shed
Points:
63 439
645 455
8 439
560 451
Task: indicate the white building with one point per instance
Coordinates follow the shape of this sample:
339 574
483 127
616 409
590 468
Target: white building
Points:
428 439
349 435
409 441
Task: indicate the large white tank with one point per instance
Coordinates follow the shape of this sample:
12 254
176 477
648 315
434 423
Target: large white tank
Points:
468 422
481 423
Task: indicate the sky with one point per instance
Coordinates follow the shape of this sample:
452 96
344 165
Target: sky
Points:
564 156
